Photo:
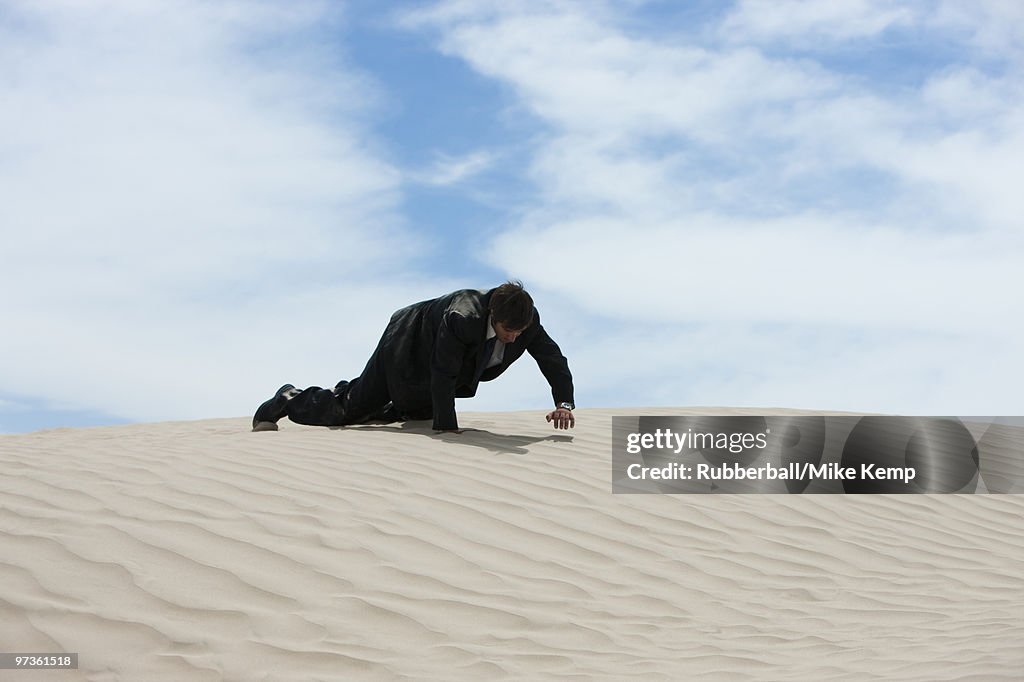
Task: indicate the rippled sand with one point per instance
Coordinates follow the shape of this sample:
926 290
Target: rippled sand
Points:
201 551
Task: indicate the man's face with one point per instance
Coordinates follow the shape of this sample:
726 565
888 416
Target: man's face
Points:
506 335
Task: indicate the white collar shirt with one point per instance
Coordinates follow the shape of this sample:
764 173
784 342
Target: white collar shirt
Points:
499 347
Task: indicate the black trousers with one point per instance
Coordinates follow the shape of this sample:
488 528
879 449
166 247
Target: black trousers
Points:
363 399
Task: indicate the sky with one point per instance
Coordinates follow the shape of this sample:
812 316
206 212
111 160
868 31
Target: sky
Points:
763 203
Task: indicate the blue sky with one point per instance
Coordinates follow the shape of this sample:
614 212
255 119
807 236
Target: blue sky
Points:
792 204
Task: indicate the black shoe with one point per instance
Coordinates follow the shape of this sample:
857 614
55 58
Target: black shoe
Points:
269 412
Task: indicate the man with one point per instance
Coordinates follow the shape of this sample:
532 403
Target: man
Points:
431 353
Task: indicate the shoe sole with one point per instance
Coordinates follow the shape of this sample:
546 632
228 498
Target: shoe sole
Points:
263 425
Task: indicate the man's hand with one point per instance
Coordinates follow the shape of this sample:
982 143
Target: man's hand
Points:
561 418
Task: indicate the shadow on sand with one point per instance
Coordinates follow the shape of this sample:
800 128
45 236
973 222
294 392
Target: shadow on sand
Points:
500 443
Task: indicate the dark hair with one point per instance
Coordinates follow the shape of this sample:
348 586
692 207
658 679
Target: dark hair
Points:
511 306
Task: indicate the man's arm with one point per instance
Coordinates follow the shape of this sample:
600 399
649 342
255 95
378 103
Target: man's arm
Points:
454 336
555 369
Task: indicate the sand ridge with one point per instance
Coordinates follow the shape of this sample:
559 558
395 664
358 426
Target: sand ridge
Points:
201 551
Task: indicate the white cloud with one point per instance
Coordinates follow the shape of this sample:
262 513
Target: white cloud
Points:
574 72
866 234
807 21
191 206
991 27
451 170
802 270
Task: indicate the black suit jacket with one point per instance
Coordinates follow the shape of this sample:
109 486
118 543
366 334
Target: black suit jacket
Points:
432 352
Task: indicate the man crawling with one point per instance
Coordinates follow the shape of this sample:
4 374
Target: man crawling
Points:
431 353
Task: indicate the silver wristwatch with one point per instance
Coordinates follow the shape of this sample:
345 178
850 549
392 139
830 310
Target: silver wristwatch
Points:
565 406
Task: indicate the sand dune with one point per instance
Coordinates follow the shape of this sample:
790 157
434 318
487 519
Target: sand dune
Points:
201 551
